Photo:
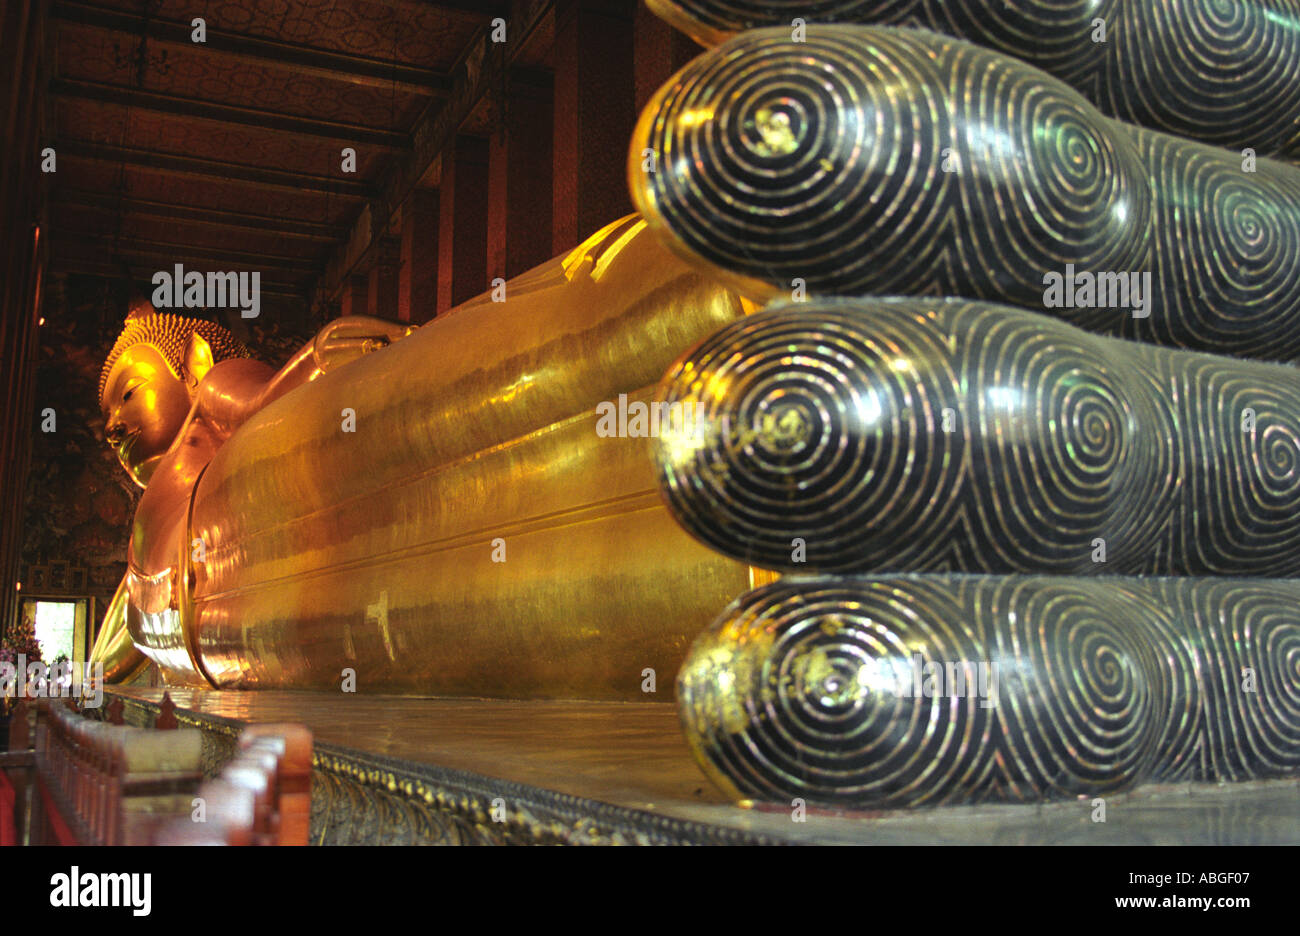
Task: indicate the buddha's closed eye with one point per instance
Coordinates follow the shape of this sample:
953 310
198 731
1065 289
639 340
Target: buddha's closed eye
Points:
132 386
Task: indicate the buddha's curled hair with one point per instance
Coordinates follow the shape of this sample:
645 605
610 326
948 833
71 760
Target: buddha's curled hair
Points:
169 334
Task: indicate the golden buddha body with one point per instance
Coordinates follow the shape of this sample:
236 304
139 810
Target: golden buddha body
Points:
439 516
172 391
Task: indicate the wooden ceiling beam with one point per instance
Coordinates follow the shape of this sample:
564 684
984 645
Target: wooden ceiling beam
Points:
300 59
206 170
204 217
431 136
63 263
169 253
192 108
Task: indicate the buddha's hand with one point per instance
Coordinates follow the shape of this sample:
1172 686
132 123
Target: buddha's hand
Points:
114 648
346 339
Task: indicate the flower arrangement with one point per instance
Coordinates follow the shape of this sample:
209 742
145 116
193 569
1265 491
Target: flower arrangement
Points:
18 642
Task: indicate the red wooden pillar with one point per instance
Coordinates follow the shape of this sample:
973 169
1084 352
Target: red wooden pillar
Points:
659 51
462 231
594 115
353 300
382 286
417 283
519 178
23 36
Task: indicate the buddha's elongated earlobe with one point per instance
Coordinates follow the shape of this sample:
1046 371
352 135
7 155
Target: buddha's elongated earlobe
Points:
169 335
198 361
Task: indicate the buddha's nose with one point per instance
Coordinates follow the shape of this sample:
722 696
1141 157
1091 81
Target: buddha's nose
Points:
115 432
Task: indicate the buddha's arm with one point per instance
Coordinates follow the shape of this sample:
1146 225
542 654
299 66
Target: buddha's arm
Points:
339 342
229 393
346 339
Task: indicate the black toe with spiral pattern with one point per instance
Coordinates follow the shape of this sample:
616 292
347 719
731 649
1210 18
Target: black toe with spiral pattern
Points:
1225 72
948 435
903 691
874 161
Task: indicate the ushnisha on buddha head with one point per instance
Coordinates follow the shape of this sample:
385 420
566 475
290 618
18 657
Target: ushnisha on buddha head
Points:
149 380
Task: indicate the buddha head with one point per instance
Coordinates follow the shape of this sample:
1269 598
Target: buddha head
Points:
150 379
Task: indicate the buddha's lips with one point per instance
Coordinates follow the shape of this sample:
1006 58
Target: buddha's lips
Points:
124 447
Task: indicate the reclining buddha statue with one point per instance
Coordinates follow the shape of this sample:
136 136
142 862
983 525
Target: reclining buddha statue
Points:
432 510
1032 550
172 391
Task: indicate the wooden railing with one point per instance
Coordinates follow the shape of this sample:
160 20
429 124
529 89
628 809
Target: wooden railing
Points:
100 783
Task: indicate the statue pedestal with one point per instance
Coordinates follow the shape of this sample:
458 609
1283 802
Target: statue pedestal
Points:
401 770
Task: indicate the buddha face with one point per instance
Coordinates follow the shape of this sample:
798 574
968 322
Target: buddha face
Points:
144 407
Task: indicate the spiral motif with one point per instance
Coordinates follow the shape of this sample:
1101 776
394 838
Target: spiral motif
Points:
1225 73
1060 454
1244 425
808 160
1039 159
874 161
827 160
822 692
1249 639
1083 722
846 690
821 426
1172 666
1053 35
1227 271
713 21
933 435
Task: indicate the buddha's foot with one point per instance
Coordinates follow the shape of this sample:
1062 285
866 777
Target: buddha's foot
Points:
1199 68
870 161
868 435
899 691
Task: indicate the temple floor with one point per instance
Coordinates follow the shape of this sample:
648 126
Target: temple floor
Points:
627 767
